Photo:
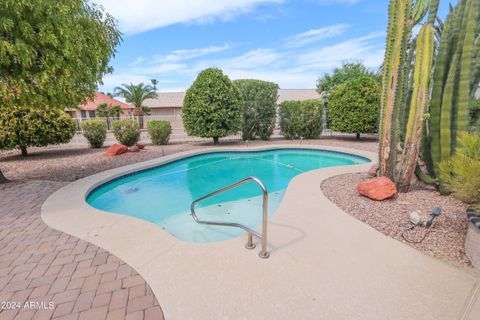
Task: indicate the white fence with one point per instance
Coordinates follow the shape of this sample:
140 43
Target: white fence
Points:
175 121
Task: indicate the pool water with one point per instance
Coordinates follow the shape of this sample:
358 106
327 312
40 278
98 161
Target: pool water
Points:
163 195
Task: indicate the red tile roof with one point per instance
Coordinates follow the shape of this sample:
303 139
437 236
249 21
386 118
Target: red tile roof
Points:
103 98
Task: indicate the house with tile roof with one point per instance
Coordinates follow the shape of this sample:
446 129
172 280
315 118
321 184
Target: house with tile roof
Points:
88 110
169 104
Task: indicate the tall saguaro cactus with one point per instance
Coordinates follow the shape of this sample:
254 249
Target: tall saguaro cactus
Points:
420 97
398 34
454 82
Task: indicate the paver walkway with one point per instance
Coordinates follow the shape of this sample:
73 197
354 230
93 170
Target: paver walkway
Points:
40 265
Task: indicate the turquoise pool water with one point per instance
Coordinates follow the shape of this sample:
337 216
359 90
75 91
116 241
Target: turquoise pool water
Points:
163 195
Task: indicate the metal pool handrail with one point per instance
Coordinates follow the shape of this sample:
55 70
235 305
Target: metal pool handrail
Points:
263 236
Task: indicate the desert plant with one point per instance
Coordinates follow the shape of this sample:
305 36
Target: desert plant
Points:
475 113
127 132
353 106
460 174
108 110
301 119
159 131
212 107
95 131
259 108
21 128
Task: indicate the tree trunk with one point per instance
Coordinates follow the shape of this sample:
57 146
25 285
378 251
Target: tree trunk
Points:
358 136
215 140
3 179
24 151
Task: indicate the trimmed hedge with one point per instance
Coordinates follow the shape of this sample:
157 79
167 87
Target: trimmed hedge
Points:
354 106
127 132
301 119
159 131
23 127
212 107
259 108
95 131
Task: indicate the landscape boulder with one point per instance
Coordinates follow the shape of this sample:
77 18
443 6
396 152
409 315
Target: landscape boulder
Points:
373 170
140 146
378 189
116 149
134 149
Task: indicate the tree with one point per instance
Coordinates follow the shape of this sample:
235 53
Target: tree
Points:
348 71
259 108
154 84
53 53
108 110
136 94
353 106
212 107
23 127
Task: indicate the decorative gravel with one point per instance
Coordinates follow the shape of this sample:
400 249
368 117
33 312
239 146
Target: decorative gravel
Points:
446 239
64 163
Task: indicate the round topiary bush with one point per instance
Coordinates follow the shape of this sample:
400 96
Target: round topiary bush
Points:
23 127
212 107
301 119
127 132
259 108
354 106
95 131
159 131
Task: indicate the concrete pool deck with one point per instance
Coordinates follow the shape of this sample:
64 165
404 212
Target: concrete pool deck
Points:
324 264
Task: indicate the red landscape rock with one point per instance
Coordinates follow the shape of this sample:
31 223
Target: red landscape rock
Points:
378 189
116 149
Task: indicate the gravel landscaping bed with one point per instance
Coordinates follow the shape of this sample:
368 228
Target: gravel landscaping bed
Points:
446 238
62 163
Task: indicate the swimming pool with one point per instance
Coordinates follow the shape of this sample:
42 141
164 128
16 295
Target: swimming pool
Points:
162 195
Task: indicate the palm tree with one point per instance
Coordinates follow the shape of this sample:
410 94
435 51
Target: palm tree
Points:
136 94
154 83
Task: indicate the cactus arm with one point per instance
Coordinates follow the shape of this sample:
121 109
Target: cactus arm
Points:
398 32
432 15
466 66
420 97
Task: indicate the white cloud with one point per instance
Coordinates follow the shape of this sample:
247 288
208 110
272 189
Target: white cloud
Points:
187 54
142 15
315 35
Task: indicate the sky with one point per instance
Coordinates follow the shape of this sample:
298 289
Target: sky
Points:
289 42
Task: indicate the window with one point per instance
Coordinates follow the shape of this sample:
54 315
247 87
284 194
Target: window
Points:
91 114
83 114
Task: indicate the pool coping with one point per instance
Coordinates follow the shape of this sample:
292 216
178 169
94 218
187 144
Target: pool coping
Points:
153 252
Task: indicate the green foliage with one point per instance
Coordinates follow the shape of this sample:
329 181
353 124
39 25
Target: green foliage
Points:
159 131
259 108
22 127
460 174
212 107
301 119
136 94
353 106
127 132
347 72
108 110
53 53
475 113
95 131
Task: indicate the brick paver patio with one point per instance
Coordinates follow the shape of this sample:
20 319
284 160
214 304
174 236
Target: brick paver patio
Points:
47 274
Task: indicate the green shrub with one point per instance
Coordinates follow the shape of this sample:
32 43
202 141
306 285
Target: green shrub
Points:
301 119
259 108
95 131
22 127
159 131
127 132
354 106
460 175
212 107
